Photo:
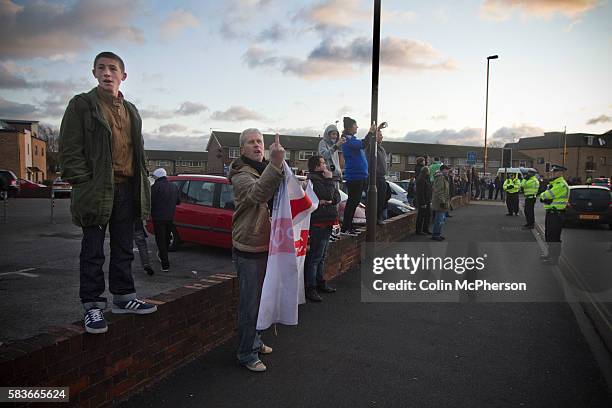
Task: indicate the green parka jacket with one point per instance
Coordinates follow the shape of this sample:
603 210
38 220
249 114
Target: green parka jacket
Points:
86 159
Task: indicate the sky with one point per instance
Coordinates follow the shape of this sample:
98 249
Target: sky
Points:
297 66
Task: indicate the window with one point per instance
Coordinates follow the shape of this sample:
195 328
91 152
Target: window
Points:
234 152
198 192
494 163
161 163
287 155
42 151
590 140
36 150
227 197
412 159
540 160
460 161
305 154
602 160
395 158
394 175
522 163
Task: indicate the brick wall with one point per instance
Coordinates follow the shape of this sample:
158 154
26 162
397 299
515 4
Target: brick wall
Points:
9 151
138 351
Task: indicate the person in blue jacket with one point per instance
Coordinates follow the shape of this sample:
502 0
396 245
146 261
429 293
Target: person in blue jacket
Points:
355 171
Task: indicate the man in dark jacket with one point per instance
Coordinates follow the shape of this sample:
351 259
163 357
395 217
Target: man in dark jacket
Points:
101 153
381 174
164 199
321 223
423 201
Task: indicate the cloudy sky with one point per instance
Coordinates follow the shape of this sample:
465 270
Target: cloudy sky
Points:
296 66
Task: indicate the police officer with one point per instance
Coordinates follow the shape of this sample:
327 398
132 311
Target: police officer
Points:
555 200
530 186
512 185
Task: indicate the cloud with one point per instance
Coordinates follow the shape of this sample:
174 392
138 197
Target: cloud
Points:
51 30
333 16
329 60
237 14
599 119
344 111
438 117
236 114
466 136
503 9
172 128
15 110
304 131
514 133
9 79
185 143
176 22
186 108
274 33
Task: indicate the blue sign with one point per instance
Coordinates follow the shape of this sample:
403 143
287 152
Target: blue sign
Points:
471 158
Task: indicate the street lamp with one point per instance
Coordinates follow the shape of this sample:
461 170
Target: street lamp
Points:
490 57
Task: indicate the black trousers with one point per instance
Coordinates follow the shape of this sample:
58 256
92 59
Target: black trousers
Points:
512 202
162 239
381 193
121 229
355 188
529 213
423 217
552 233
497 191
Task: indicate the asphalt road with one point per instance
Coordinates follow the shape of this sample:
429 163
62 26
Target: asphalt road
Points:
45 255
349 353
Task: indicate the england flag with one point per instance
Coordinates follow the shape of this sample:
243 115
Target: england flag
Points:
283 287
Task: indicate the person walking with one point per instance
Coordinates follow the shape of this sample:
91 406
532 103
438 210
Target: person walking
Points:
555 199
140 239
423 202
530 186
101 152
440 202
322 221
164 199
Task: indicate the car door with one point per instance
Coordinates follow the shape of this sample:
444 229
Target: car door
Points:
195 219
224 216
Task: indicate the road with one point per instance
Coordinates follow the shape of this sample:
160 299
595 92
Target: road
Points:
45 255
349 353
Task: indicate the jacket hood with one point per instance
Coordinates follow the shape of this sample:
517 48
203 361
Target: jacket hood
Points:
328 130
239 166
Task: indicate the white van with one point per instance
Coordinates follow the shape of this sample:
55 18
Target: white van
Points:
513 171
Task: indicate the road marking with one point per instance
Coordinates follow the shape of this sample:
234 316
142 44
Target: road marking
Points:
592 337
21 272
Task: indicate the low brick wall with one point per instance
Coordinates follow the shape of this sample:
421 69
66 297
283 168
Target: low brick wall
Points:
135 352
138 351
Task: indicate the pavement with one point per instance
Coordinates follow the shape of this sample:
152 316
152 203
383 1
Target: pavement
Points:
349 353
39 267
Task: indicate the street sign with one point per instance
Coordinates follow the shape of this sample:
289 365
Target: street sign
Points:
471 158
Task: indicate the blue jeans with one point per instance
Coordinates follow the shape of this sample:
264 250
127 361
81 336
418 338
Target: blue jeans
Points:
251 273
438 223
315 258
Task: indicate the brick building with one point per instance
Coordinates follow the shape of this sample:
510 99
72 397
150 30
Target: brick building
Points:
223 147
585 154
21 150
177 162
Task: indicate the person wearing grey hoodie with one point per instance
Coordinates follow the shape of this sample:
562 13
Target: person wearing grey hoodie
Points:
329 147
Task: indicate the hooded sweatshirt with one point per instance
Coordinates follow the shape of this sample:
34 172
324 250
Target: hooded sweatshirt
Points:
356 165
329 151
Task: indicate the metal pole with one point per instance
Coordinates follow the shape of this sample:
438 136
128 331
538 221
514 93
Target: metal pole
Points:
484 170
371 208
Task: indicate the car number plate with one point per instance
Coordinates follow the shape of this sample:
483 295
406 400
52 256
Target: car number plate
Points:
588 217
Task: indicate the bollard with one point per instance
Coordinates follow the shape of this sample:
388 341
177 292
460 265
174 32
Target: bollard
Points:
52 205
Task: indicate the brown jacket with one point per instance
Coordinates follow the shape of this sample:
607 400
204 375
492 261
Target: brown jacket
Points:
251 220
441 193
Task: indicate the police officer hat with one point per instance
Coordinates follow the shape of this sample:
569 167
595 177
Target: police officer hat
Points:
556 167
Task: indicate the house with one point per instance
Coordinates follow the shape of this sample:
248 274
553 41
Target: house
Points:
177 162
21 150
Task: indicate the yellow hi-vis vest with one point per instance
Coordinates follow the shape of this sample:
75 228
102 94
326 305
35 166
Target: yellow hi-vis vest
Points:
530 186
512 185
557 195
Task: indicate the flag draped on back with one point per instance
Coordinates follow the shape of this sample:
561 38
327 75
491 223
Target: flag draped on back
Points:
283 287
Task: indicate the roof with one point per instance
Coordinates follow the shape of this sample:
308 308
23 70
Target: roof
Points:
209 177
19 122
175 155
556 140
230 139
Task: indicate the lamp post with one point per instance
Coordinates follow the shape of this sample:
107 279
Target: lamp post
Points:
371 208
484 170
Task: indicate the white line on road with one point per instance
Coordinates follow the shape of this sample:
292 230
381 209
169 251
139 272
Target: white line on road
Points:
21 272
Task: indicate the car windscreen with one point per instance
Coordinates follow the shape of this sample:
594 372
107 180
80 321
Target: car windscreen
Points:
590 194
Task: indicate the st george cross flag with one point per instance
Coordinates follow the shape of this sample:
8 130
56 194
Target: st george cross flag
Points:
283 287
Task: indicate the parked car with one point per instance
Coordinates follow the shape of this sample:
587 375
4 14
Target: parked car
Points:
205 213
601 181
61 188
589 204
11 181
396 207
359 218
400 194
29 185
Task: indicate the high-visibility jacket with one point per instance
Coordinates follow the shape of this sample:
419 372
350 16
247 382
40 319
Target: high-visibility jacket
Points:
557 195
530 186
512 185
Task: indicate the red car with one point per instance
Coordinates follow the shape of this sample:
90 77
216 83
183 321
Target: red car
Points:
29 185
205 213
